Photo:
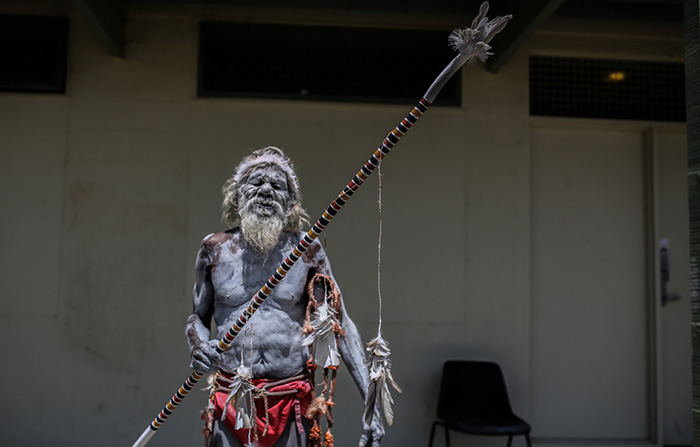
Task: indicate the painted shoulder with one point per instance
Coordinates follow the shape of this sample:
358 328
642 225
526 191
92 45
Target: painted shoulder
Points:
214 239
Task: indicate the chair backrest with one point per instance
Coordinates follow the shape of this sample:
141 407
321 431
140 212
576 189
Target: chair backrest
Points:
472 388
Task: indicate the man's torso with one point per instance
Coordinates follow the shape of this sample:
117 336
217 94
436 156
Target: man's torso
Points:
272 338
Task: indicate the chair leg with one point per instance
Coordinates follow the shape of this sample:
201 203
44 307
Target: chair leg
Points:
432 434
527 440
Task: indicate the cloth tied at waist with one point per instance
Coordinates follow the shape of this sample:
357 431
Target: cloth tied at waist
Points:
275 401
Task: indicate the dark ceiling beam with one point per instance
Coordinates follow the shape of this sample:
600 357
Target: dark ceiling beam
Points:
107 21
527 18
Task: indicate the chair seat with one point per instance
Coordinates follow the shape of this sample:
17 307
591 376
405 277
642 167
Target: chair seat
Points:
489 425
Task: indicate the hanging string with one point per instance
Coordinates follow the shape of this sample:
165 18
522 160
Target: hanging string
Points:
378 395
253 430
379 247
252 326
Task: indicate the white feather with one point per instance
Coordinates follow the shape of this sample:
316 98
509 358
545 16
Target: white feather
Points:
378 392
323 338
241 394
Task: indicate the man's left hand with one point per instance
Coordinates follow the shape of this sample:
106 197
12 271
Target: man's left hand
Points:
372 435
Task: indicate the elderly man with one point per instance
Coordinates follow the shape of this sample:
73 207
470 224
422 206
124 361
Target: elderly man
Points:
262 206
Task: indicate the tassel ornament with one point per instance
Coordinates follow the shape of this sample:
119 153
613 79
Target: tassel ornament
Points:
328 439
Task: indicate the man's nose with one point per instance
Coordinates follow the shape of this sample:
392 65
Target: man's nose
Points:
265 188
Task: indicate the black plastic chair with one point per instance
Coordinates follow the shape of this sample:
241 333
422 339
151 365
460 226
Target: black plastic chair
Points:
474 400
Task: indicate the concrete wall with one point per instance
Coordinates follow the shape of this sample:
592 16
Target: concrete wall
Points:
108 190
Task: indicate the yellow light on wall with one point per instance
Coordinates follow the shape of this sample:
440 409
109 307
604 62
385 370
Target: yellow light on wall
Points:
616 76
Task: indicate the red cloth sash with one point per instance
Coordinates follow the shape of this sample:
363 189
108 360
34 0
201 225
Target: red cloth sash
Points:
279 409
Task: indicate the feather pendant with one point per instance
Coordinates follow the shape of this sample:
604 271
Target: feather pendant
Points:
378 392
242 395
323 337
474 42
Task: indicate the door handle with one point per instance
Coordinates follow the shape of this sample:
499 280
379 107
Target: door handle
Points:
665 273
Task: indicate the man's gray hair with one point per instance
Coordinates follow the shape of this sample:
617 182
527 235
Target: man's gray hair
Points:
264 157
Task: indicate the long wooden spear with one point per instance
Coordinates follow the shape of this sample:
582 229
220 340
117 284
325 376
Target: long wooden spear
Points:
471 44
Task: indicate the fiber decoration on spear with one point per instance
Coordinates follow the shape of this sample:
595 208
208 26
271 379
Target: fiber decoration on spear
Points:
471 44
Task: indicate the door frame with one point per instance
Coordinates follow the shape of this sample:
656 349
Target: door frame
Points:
650 132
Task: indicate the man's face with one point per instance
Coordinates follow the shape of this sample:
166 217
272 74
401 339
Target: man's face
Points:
266 193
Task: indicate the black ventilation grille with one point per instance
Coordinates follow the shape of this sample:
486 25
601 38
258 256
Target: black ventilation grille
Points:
33 53
321 63
607 88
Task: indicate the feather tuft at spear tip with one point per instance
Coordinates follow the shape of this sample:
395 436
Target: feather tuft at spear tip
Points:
473 42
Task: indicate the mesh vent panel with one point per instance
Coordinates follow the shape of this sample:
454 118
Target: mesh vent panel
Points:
606 88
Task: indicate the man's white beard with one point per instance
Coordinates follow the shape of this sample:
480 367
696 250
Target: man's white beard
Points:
262 232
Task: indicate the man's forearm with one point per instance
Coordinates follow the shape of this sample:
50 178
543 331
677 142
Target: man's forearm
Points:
354 357
197 333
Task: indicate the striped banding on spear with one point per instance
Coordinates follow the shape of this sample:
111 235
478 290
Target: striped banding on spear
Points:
471 44
176 399
171 406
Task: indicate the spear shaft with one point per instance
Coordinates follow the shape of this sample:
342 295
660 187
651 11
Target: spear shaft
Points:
466 53
259 298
